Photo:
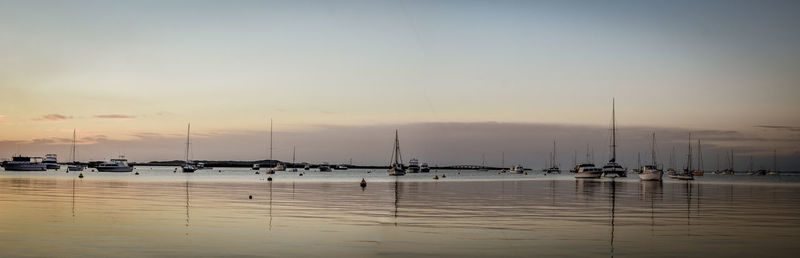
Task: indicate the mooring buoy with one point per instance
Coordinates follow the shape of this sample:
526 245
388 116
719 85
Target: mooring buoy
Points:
257 173
251 197
435 177
269 178
363 183
80 175
443 175
137 173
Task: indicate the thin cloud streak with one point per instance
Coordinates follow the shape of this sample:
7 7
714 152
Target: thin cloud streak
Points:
115 116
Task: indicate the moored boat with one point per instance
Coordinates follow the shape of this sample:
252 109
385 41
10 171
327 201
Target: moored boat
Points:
413 166
51 161
115 165
396 164
23 163
588 170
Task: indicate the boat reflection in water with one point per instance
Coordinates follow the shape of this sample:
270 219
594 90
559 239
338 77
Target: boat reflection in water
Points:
397 215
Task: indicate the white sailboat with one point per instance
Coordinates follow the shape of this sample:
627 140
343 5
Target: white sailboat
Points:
553 166
612 168
188 167
652 172
699 171
774 163
396 165
74 166
294 151
279 166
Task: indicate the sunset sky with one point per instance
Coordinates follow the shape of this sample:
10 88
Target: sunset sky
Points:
339 76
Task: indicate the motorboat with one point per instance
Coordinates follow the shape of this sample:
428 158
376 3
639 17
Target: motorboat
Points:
424 168
518 169
588 170
115 165
413 166
22 163
51 161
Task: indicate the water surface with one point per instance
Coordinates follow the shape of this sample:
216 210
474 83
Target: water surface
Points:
466 214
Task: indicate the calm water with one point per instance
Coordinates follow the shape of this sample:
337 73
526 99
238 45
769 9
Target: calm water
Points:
208 213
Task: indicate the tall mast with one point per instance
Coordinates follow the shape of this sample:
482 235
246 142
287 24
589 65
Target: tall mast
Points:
294 149
503 159
732 160
554 155
653 151
689 165
270 139
699 156
188 128
73 145
613 131
775 160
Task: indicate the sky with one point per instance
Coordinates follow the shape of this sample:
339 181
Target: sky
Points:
129 76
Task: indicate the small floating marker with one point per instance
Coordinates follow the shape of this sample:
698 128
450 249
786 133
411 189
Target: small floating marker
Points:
526 173
220 171
301 174
269 178
257 173
363 183
80 175
443 175
251 197
137 173
435 177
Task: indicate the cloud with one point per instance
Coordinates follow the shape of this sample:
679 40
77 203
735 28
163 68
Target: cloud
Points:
53 117
2 117
115 116
780 127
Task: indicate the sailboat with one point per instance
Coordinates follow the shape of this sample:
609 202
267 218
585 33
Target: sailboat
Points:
612 168
652 172
74 166
730 170
553 166
638 168
188 167
294 150
671 171
483 163
699 172
279 166
396 165
774 163
750 170
687 172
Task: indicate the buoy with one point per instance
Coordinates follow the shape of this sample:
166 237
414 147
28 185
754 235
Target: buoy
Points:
443 175
301 174
526 173
363 182
436 177
269 178
80 175
137 173
220 170
251 197
257 173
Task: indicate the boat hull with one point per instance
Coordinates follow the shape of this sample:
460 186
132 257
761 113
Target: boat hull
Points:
588 174
114 169
396 172
53 166
74 168
651 176
25 167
